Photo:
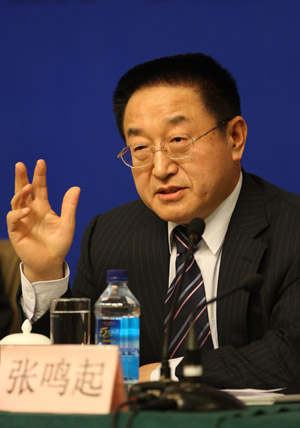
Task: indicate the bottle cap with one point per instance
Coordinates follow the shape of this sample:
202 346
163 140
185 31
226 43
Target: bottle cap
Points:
117 275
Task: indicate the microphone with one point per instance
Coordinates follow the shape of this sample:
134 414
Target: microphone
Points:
251 283
190 394
195 230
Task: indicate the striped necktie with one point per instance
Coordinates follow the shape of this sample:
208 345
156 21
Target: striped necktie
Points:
191 302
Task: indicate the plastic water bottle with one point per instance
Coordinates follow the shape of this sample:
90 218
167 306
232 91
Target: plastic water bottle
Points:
117 314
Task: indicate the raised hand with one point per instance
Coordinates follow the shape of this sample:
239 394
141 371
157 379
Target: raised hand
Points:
39 236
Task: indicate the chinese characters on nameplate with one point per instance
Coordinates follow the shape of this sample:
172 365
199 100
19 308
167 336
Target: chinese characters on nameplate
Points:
60 379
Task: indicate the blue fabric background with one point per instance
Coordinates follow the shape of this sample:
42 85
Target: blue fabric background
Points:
61 59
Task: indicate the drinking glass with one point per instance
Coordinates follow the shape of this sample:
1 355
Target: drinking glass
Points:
70 320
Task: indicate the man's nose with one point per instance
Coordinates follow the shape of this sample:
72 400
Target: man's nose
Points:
162 164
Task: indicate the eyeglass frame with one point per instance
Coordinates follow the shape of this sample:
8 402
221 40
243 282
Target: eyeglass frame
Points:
153 149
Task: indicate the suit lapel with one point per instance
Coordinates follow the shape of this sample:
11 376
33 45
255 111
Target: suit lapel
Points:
242 252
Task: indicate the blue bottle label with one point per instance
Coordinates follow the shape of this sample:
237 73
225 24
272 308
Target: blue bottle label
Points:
109 332
125 333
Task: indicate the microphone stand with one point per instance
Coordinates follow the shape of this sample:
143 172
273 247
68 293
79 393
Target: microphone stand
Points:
195 231
165 373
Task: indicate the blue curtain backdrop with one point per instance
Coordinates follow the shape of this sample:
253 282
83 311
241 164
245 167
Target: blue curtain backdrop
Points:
61 59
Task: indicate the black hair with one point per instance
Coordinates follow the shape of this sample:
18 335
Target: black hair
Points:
216 86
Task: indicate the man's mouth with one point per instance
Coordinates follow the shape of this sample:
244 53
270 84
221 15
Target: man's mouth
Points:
169 190
172 190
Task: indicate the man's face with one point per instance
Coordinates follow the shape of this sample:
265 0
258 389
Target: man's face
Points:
186 188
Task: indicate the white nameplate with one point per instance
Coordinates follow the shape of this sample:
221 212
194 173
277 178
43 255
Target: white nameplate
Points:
60 379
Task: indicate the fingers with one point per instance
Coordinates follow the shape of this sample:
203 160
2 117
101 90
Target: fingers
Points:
21 178
69 204
39 182
22 197
13 218
39 189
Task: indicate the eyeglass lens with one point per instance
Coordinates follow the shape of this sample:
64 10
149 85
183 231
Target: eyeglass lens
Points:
175 147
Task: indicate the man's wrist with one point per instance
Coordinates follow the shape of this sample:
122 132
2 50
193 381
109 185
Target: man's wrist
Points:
36 296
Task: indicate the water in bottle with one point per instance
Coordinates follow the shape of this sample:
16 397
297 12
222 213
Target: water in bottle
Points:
117 314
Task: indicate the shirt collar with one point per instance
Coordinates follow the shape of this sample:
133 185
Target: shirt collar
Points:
216 224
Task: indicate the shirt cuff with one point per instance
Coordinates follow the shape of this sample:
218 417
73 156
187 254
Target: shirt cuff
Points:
155 374
35 299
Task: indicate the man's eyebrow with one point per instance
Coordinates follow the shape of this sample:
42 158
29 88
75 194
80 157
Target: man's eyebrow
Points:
175 120
134 132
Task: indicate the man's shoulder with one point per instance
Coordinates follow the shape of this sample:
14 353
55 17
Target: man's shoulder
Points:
262 204
133 210
272 194
132 215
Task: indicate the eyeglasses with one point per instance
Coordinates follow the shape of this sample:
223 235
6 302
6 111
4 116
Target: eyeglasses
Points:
175 147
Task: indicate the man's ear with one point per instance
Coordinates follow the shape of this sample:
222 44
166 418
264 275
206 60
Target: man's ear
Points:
236 135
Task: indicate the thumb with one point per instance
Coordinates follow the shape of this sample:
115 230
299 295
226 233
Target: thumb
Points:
69 204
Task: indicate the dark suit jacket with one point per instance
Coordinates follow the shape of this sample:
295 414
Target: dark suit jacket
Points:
259 334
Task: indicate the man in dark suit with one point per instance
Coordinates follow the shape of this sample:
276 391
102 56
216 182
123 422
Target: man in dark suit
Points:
180 117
